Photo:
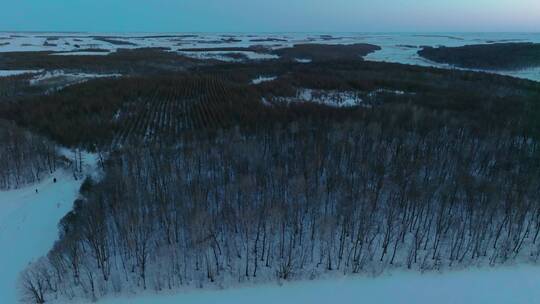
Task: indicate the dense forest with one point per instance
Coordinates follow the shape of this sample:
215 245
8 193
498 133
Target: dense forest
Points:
324 52
214 180
494 56
15 87
399 189
168 107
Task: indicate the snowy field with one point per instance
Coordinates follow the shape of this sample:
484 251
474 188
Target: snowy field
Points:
503 285
28 226
5 73
28 223
396 47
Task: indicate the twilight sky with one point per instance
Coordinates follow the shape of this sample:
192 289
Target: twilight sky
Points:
270 15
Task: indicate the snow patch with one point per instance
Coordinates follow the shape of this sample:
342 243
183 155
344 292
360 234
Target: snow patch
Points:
500 285
262 79
379 91
60 79
49 75
340 99
302 60
266 102
6 73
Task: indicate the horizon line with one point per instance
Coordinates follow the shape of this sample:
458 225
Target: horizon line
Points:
272 32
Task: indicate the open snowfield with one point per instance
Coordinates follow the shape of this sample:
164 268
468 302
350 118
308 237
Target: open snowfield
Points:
28 226
396 47
28 223
503 285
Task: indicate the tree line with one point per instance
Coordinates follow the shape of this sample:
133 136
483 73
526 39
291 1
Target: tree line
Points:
24 157
487 56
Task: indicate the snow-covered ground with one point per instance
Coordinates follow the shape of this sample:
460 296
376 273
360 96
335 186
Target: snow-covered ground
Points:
5 73
326 97
69 77
332 98
262 79
395 47
59 79
225 55
74 53
28 223
503 285
302 60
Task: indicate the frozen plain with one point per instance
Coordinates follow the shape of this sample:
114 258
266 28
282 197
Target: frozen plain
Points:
396 47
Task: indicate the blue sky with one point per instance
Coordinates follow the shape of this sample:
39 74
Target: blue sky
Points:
270 15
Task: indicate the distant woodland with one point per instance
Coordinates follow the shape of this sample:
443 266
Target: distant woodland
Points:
506 56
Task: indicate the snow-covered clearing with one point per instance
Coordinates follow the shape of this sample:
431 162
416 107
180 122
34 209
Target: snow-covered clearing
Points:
326 97
5 73
302 60
58 79
503 285
332 98
59 74
379 91
81 53
262 79
28 223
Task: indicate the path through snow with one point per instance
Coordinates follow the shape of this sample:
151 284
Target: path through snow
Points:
28 224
